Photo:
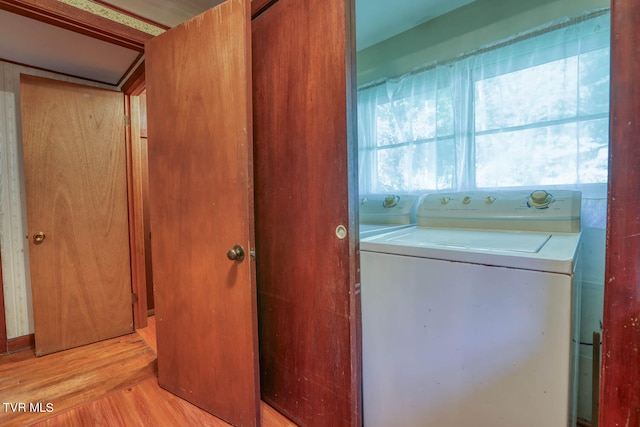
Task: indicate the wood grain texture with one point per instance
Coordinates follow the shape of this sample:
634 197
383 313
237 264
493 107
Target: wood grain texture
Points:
72 377
137 405
620 386
76 191
146 404
200 174
134 397
305 177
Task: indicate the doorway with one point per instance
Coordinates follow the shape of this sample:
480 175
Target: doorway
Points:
437 147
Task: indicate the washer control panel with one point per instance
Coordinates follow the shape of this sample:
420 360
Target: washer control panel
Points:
539 210
388 209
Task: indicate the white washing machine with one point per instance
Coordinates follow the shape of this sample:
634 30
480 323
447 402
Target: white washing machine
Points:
382 213
471 317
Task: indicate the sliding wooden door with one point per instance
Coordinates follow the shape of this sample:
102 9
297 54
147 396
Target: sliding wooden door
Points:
306 211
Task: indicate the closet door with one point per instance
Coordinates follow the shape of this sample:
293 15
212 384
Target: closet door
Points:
306 203
198 83
75 180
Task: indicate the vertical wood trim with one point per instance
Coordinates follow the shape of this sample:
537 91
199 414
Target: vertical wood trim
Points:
77 20
620 386
136 218
3 323
134 85
355 301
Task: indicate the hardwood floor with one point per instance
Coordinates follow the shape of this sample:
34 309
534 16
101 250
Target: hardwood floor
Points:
111 383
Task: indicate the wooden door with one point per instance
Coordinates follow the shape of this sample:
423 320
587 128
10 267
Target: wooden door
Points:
201 205
75 175
306 211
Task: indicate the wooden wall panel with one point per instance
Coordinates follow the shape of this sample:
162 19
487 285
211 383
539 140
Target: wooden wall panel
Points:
620 385
306 186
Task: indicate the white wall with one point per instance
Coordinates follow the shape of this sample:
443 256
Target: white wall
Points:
464 30
13 224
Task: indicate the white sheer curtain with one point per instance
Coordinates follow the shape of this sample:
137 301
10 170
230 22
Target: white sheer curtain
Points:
526 112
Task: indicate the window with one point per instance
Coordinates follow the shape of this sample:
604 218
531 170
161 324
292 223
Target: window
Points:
531 111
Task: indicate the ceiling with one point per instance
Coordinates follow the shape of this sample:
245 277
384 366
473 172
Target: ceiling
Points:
376 20
30 42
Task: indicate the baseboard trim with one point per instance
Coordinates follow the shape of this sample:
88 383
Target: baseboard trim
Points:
24 342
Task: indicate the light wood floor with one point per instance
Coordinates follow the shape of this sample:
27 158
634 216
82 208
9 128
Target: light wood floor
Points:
112 383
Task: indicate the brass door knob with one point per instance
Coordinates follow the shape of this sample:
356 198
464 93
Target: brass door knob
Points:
38 237
236 253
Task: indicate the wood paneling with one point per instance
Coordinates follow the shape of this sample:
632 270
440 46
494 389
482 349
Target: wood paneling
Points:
198 81
620 386
305 177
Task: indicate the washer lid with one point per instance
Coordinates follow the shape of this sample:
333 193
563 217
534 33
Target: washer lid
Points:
527 250
480 240
368 230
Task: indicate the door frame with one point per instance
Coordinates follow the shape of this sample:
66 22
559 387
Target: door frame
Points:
77 20
620 382
625 18
135 193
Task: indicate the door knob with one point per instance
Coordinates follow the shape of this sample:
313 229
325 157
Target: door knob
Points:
38 237
236 253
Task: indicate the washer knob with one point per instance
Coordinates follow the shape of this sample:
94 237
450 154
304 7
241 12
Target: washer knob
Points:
445 200
390 201
540 199
466 200
489 200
